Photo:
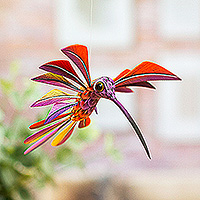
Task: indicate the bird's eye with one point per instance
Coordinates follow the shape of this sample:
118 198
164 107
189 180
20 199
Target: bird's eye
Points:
99 87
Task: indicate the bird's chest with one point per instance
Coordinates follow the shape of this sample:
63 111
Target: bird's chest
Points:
86 105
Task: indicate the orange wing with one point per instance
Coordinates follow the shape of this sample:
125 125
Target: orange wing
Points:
79 55
145 71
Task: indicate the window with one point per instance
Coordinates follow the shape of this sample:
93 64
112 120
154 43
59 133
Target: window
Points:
179 19
179 102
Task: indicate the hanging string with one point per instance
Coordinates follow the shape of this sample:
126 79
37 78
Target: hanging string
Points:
91 23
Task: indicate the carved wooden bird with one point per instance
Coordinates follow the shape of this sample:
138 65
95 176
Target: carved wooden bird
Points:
69 110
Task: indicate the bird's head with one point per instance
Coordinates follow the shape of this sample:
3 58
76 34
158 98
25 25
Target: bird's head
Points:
104 87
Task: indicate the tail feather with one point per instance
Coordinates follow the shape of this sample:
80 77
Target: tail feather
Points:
67 136
41 123
36 136
41 141
64 134
44 139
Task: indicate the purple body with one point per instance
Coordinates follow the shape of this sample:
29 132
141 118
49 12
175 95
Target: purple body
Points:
88 104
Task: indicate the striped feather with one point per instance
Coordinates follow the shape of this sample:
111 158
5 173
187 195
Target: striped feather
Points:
146 71
123 89
40 133
143 84
64 134
57 80
135 84
41 123
58 109
79 55
63 68
44 139
52 97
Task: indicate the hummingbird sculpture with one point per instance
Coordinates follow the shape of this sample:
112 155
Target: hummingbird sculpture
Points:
68 110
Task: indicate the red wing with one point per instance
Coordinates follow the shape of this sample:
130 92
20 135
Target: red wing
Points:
146 71
79 55
62 68
126 71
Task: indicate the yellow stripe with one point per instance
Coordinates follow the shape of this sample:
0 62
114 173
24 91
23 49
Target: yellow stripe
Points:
36 139
62 134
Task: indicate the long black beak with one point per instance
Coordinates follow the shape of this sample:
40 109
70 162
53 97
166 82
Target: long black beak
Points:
133 124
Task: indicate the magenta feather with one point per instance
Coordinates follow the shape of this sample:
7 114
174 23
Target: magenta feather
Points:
42 140
123 89
52 100
38 134
58 109
62 68
145 71
57 80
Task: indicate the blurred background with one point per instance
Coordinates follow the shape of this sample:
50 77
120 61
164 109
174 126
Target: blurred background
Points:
105 160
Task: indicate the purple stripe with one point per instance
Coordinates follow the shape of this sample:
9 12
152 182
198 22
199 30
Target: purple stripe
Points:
43 140
62 72
79 63
58 109
123 89
41 132
58 83
145 77
40 142
52 100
